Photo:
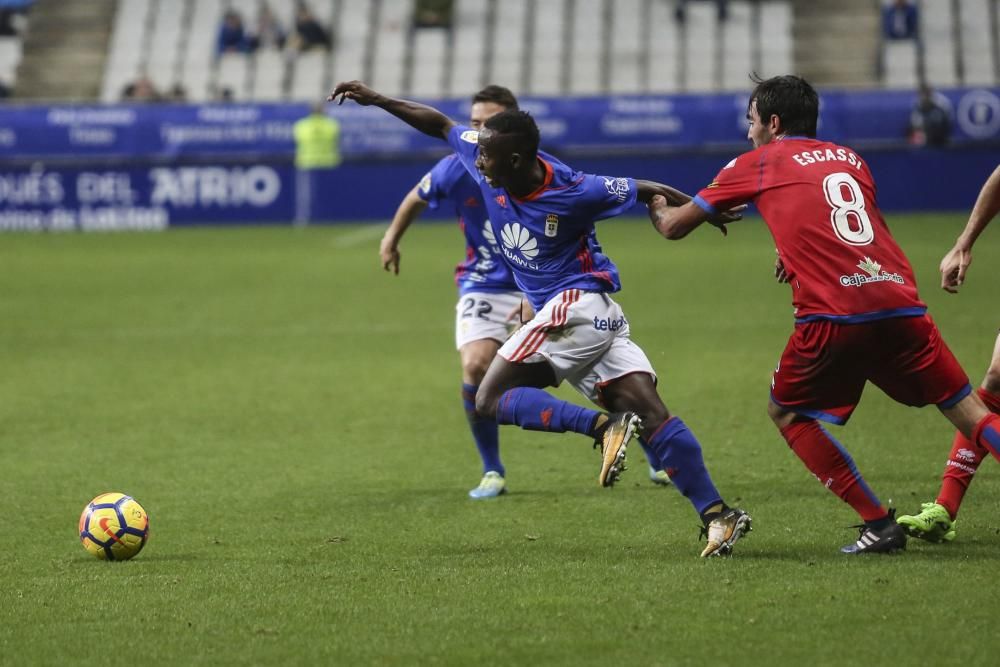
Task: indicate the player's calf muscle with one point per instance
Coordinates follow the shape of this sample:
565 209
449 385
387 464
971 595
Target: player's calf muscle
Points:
636 393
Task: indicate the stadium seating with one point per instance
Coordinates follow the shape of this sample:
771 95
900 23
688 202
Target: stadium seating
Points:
541 47
469 21
509 43
11 47
625 48
938 41
663 50
977 52
351 36
737 45
390 45
548 42
775 38
10 56
956 46
586 52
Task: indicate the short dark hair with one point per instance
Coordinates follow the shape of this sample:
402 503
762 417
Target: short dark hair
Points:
496 95
520 126
791 99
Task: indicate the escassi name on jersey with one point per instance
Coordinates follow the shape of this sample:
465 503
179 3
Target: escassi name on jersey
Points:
806 158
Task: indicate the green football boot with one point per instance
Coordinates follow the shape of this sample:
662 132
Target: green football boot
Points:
933 524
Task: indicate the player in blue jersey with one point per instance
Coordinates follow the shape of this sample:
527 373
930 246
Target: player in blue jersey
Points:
544 212
489 299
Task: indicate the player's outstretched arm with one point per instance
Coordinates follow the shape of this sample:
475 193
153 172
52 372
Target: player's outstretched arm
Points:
676 222
646 190
957 261
420 116
675 215
408 210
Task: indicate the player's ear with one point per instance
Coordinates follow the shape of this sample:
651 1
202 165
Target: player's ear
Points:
515 160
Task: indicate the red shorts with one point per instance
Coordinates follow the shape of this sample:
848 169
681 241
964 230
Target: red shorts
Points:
825 365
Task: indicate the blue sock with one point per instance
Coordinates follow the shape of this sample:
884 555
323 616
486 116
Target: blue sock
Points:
486 432
680 455
651 455
536 410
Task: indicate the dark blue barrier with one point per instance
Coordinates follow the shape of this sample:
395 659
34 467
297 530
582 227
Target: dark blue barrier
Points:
56 197
908 179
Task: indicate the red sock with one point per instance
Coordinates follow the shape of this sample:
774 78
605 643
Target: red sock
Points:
963 462
833 467
987 434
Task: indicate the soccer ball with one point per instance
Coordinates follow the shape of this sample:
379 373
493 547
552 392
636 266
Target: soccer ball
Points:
114 526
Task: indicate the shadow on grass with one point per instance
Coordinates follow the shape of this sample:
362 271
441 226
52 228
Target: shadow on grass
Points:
138 561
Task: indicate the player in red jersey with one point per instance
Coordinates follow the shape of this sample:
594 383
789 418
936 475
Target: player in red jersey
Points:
858 317
935 522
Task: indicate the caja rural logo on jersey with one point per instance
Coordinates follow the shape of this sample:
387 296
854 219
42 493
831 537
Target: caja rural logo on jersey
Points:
874 272
519 246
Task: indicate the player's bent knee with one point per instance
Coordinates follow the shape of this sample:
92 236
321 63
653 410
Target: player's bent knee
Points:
475 370
486 403
781 416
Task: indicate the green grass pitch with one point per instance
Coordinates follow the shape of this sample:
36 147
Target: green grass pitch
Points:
290 417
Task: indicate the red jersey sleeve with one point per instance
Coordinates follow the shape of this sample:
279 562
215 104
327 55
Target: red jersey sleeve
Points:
737 183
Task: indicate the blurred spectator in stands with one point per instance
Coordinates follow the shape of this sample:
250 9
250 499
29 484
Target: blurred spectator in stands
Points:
308 32
5 91
433 13
899 20
141 90
224 95
13 16
177 94
680 13
317 154
268 33
7 28
232 37
930 120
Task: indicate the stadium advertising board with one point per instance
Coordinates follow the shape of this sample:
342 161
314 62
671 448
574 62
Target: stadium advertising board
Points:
148 167
143 198
639 123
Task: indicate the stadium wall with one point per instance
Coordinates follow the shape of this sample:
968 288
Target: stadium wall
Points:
148 167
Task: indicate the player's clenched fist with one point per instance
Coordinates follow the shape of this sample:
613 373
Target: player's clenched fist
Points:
354 90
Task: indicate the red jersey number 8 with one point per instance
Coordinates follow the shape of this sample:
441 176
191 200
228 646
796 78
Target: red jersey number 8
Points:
850 220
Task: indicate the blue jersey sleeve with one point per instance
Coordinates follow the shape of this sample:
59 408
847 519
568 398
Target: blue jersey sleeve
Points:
438 184
608 196
465 142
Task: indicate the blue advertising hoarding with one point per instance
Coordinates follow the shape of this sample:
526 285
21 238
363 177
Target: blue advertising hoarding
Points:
144 197
629 123
149 167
